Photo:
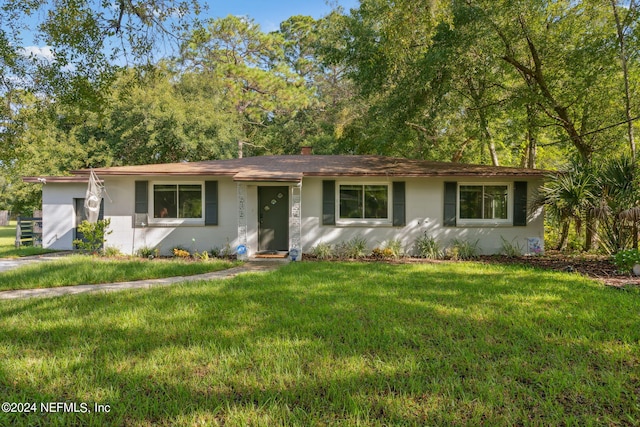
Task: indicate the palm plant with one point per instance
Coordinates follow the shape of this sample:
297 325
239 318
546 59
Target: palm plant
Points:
568 198
618 209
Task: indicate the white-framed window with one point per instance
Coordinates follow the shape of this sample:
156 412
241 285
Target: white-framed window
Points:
484 203
368 203
171 202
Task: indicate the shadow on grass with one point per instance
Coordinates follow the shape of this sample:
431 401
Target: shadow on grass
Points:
328 343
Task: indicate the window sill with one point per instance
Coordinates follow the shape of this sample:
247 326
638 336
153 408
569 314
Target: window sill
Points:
484 224
363 223
176 223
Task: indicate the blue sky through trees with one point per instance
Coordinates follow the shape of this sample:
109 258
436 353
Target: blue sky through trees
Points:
268 14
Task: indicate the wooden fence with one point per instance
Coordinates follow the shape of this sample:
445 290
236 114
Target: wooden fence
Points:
29 232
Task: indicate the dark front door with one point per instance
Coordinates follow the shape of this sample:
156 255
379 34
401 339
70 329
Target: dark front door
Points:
80 216
273 218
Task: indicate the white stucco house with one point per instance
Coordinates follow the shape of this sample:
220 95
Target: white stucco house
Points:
280 203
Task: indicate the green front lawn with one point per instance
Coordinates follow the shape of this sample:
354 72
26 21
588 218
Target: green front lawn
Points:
8 244
333 343
83 269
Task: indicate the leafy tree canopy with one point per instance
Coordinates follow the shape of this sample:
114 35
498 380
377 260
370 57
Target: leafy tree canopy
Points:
501 81
85 41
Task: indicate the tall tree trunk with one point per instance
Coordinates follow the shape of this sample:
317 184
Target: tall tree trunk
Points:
489 140
564 236
531 150
625 74
591 232
458 154
477 96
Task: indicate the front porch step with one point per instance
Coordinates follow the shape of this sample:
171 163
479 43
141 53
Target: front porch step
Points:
271 255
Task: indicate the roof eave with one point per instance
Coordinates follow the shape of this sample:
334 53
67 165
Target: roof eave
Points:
431 174
155 173
55 179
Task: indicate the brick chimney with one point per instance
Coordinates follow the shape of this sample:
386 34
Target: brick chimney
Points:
306 151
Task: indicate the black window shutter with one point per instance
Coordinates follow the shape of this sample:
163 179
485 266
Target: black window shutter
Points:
211 203
520 203
399 212
450 203
328 202
101 212
142 197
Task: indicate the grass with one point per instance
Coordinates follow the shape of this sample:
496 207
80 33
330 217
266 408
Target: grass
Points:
84 269
8 247
333 344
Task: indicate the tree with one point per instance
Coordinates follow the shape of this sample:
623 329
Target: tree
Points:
618 203
86 41
164 117
251 66
563 54
37 142
568 198
441 93
521 79
475 80
381 46
307 44
625 24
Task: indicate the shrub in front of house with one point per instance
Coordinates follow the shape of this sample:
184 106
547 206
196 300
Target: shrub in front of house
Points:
395 246
322 251
392 249
463 249
94 235
179 252
147 252
383 253
352 249
203 256
222 252
625 260
112 252
510 249
428 247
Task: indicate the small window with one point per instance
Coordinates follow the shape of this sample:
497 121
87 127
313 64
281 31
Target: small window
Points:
177 201
484 202
364 201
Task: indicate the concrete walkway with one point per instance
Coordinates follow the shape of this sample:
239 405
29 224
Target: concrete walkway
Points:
7 264
248 267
